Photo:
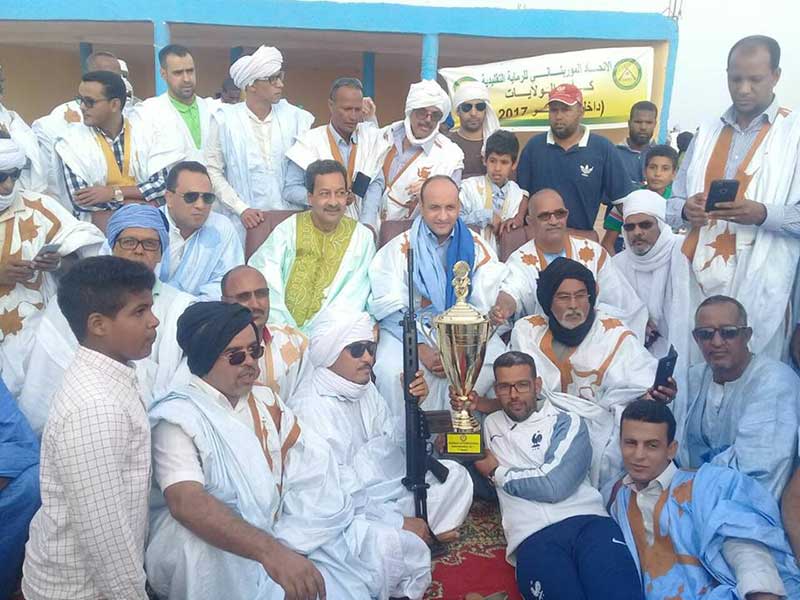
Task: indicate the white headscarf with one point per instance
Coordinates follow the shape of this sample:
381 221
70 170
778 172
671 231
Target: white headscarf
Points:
471 89
11 155
647 202
263 63
424 94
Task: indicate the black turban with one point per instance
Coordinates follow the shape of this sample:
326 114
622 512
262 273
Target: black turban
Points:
549 281
206 328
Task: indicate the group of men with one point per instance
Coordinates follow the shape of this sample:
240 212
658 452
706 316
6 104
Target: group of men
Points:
185 421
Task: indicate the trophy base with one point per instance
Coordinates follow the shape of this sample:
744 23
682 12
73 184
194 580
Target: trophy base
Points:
463 446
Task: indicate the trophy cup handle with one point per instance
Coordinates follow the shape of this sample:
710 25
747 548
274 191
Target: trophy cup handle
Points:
427 333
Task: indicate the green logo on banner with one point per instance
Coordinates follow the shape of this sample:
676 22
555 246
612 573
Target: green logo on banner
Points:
627 73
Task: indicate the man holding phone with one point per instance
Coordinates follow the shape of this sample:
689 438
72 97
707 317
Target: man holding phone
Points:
739 235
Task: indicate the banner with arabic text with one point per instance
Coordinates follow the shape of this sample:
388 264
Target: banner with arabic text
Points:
611 79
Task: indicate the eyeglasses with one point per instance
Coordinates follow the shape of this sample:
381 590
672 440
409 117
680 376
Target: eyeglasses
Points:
504 389
467 106
192 197
131 243
579 296
356 349
89 102
237 357
243 297
726 332
559 214
644 226
427 115
12 174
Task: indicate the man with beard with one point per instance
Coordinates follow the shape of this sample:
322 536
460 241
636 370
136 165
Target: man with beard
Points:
477 121
587 354
641 126
583 167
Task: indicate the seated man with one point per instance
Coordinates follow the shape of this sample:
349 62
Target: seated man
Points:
439 239
317 258
36 235
110 158
741 408
87 540
203 245
586 353
352 141
341 403
252 505
538 456
285 363
547 228
19 490
418 151
139 233
692 532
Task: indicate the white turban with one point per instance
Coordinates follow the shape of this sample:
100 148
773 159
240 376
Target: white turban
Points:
426 94
11 155
334 330
263 63
471 89
646 202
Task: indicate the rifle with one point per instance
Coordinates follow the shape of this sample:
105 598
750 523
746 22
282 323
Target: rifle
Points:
418 451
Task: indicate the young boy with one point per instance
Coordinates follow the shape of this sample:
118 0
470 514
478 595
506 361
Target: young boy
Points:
87 540
660 168
493 201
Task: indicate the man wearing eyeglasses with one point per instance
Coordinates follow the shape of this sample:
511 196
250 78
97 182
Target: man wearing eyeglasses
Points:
285 363
252 501
136 232
203 245
342 405
742 408
477 121
418 151
248 141
549 239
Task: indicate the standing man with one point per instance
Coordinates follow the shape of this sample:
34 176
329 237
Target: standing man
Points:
747 249
477 121
179 111
230 93
418 151
248 141
641 126
353 142
583 167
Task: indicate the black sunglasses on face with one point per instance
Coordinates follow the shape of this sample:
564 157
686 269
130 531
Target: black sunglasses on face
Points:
356 349
89 102
727 332
467 106
192 197
236 358
13 174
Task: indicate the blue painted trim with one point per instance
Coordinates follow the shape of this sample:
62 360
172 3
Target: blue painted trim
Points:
236 53
429 63
85 49
672 59
368 73
160 39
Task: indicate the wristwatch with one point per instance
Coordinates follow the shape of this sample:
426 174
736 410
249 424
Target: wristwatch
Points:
118 196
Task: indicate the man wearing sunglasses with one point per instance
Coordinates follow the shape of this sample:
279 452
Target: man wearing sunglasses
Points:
285 363
418 151
741 407
248 141
110 159
252 496
135 232
341 404
477 121
549 239
203 244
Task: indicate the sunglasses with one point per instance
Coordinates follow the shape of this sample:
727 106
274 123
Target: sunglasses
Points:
260 294
644 226
356 349
12 174
727 332
236 358
89 102
192 197
131 243
559 214
427 115
467 106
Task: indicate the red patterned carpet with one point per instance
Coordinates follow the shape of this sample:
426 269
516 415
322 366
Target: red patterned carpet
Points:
475 567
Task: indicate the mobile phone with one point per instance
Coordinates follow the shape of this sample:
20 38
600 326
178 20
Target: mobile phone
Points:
721 190
360 184
48 248
666 367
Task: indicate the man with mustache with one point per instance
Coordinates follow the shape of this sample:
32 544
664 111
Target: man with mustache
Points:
317 258
477 121
587 353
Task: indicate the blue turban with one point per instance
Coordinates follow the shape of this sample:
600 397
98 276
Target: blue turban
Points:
138 215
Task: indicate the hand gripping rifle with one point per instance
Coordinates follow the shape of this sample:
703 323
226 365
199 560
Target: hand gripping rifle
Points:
418 450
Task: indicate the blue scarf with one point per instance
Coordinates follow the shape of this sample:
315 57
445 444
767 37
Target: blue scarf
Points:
430 277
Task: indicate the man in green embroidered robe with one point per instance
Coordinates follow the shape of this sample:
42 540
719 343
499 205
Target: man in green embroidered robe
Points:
317 258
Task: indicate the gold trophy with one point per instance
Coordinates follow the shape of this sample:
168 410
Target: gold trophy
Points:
461 337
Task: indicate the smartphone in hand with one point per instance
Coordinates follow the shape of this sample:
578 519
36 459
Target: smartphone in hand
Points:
721 190
666 367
